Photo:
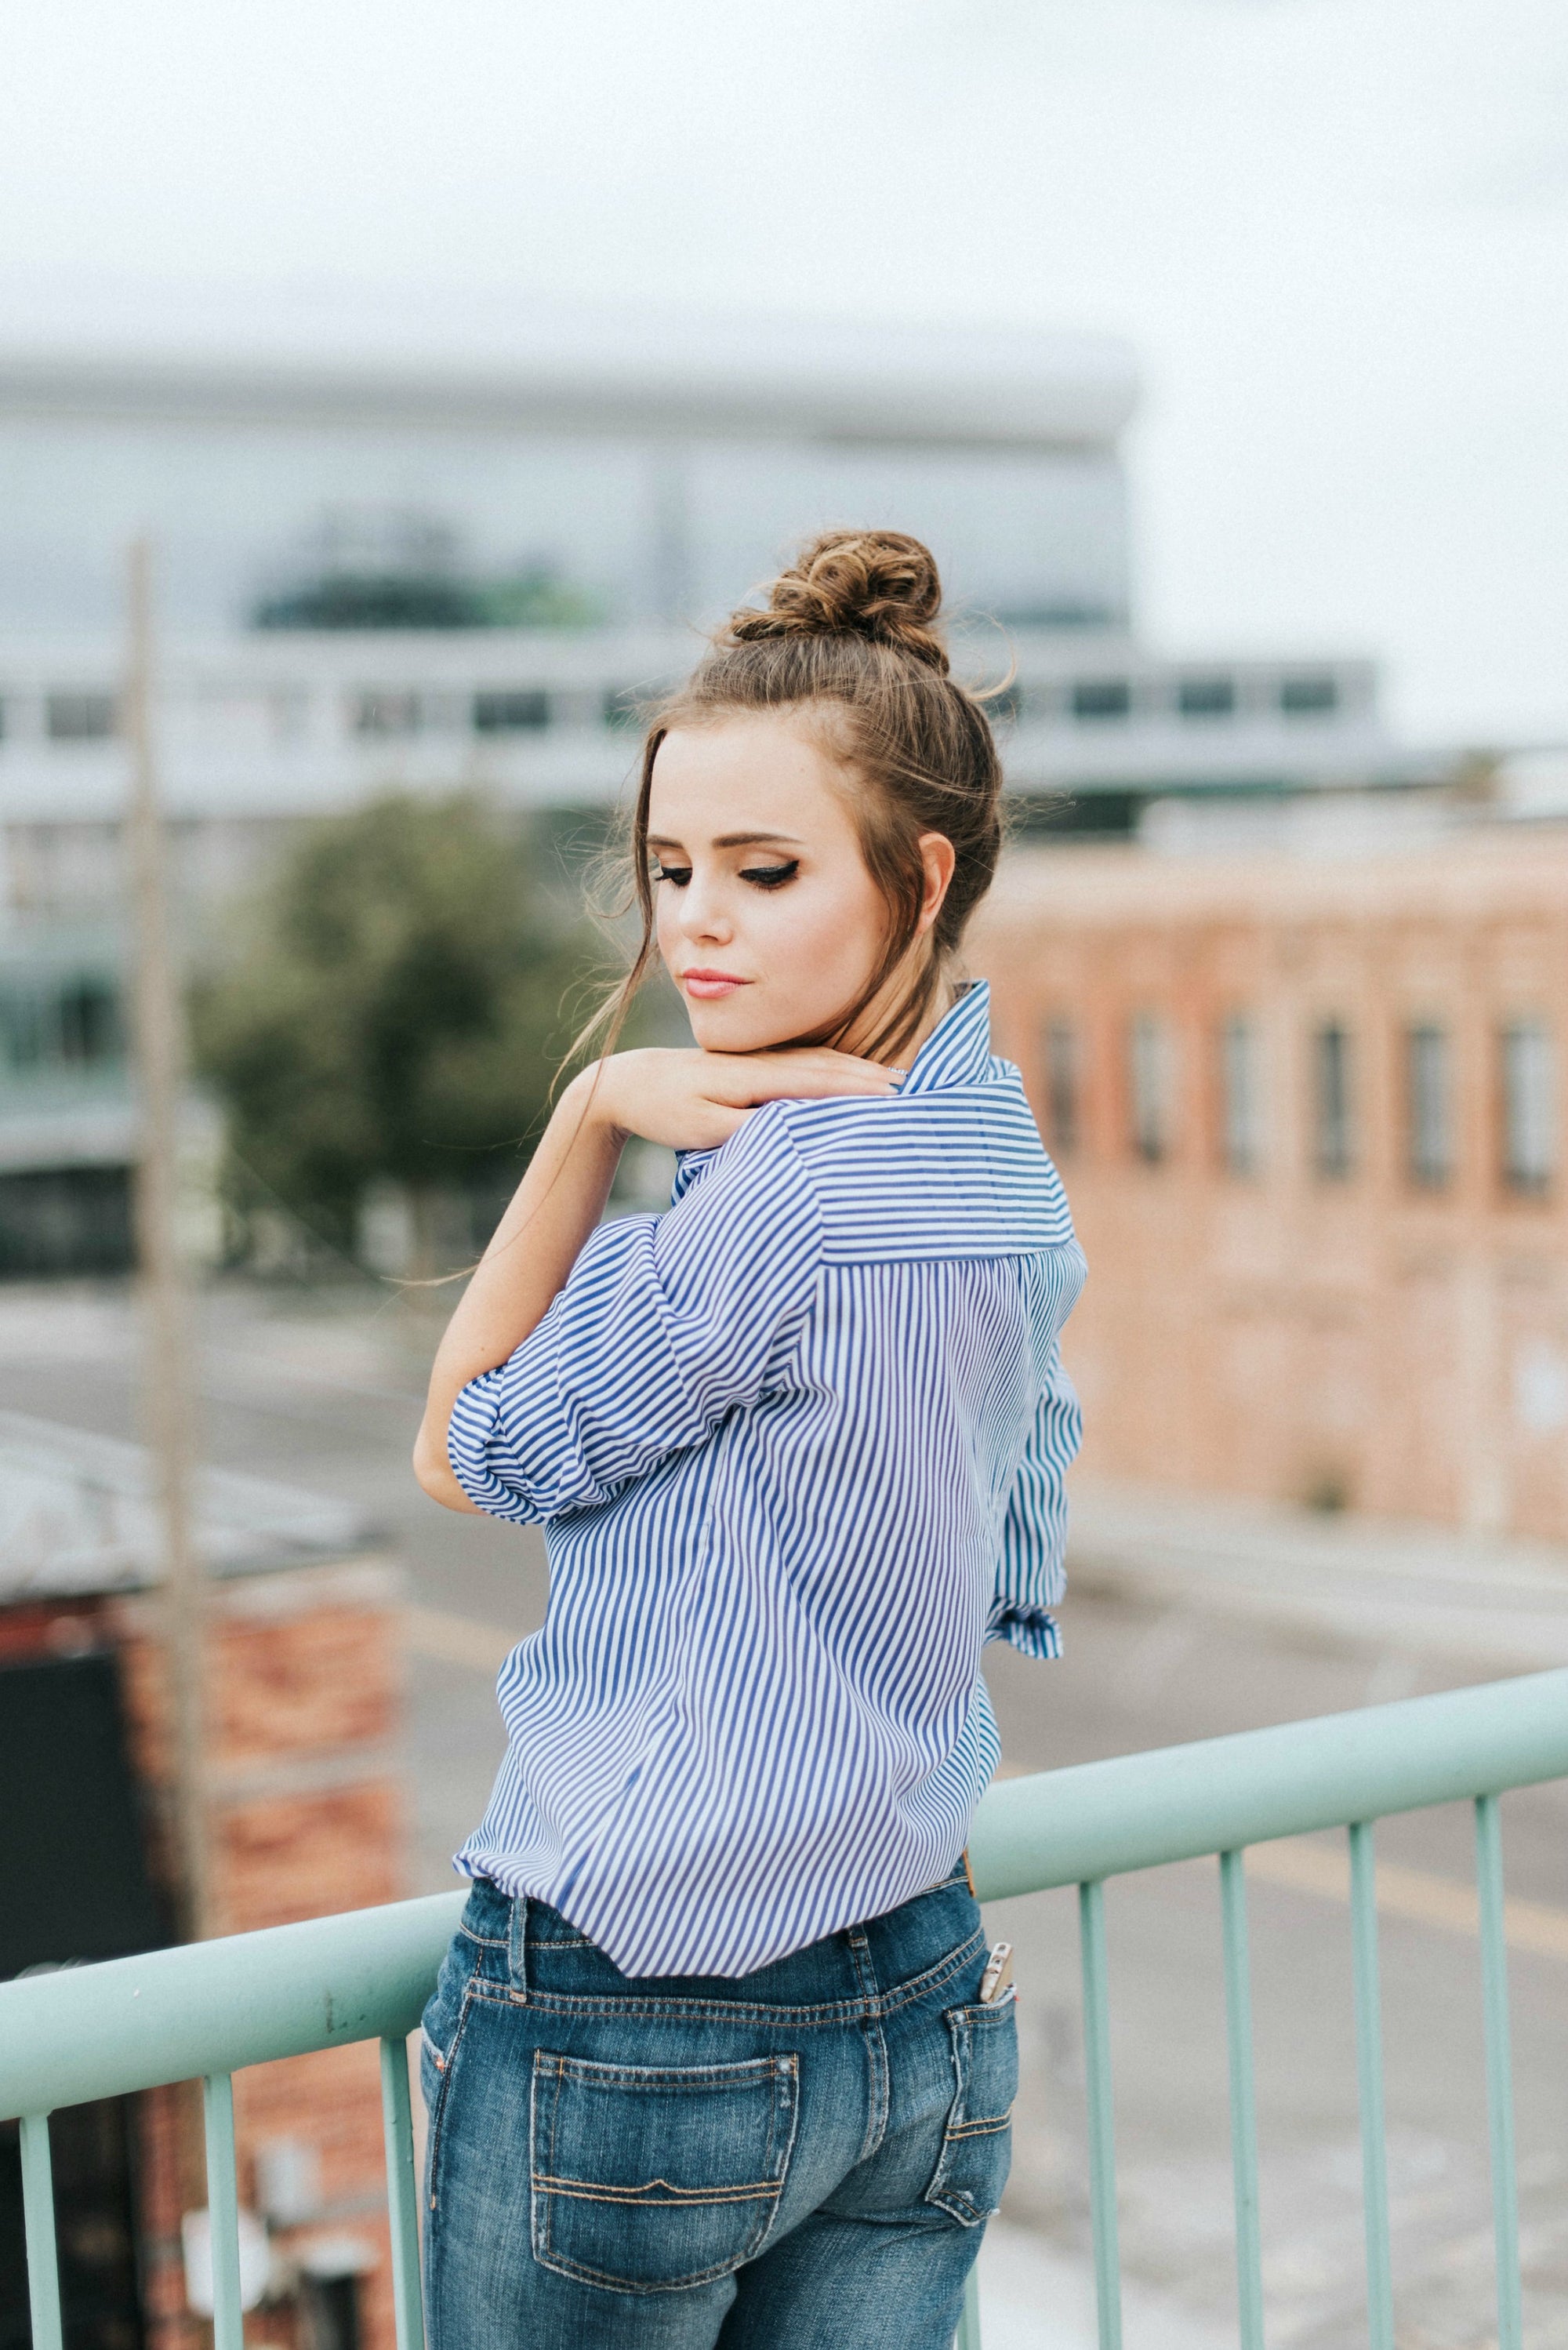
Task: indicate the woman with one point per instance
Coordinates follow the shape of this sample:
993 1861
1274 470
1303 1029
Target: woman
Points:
712 2058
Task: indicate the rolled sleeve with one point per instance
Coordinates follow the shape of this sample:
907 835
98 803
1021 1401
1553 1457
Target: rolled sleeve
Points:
666 1325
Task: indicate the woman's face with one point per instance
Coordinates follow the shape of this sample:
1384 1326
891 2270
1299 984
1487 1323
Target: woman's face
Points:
769 922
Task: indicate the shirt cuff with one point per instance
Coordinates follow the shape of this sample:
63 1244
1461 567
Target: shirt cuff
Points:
1031 1630
470 1444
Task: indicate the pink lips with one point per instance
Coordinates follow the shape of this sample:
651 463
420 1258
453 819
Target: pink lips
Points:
711 984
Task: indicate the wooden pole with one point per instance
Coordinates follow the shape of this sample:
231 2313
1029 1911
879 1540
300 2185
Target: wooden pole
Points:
157 1027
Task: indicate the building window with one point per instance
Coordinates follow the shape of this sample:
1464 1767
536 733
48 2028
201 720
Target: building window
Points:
22 1030
511 713
79 717
1309 696
1333 1139
1102 697
1062 1088
1150 1061
1205 697
1428 1112
379 712
87 1029
1529 1106
1241 1096
79 1027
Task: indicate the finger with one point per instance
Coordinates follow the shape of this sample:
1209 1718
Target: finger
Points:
780 1080
826 1056
832 1059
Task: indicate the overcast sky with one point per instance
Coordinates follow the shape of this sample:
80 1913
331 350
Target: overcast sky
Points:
1335 230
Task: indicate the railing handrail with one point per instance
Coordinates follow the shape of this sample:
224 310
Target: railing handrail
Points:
215 2007
105 2029
1094 1820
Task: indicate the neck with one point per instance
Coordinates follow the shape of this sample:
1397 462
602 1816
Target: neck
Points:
879 1034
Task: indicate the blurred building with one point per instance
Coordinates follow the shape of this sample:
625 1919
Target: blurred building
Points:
304 1818
427 551
1307 1102
647 468
415 549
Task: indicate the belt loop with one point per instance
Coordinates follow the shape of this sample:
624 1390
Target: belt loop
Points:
517 1947
864 1964
968 1874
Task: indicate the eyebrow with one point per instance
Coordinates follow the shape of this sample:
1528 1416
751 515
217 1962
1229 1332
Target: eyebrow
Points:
733 840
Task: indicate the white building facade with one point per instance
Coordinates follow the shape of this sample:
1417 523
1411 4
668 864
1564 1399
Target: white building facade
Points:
635 482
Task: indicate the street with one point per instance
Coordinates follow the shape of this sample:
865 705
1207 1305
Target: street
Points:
322 1391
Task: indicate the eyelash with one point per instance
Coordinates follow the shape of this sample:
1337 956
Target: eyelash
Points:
761 876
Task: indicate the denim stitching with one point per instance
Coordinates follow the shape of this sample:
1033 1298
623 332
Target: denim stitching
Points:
957 2200
588 2190
724 2011
789 2070
581 2274
444 2068
877 2088
517 1947
557 2069
540 2213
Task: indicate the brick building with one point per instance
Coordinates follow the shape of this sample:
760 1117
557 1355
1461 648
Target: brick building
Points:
1307 1108
304 1819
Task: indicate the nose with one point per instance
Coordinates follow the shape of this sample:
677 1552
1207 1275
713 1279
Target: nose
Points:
704 914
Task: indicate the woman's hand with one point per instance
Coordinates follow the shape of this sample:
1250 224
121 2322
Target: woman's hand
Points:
694 1100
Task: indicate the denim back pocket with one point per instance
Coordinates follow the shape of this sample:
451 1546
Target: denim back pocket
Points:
977 2140
646 2178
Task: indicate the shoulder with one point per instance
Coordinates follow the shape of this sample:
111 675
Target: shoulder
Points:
990 1115
754 1193
955 1171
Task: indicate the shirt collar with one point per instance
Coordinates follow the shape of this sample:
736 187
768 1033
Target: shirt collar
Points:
958 1050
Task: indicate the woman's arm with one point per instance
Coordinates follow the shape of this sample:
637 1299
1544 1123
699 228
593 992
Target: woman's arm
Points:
689 1101
533 1248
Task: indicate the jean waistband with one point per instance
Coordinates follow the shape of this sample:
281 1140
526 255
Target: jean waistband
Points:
534 1947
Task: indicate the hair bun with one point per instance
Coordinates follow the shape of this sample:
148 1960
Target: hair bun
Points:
859 582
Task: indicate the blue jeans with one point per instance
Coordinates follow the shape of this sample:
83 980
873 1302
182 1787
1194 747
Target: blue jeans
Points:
806 2155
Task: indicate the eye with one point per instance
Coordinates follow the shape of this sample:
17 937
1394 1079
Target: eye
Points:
676 876
770 877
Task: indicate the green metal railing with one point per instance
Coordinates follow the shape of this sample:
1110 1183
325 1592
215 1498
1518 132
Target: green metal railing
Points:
209 2009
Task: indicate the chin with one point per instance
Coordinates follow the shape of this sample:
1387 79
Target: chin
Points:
730 1027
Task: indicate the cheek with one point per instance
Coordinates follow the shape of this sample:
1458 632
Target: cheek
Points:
832 937
667 931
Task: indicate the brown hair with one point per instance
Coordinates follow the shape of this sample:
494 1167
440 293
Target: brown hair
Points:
851 633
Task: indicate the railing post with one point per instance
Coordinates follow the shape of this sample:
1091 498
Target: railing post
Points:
402 2195
1102 2118
1369 2080
1499 2070
38 2215
222 2211
967 2335
1244 2102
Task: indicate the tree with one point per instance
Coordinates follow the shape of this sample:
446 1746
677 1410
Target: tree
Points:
396 1009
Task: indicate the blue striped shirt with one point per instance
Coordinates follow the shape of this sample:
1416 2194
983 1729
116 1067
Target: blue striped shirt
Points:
798 1449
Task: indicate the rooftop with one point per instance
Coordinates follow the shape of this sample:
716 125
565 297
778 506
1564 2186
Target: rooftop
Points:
1469 867
352 360
78 1515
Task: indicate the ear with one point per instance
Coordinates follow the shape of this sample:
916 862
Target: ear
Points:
937 856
